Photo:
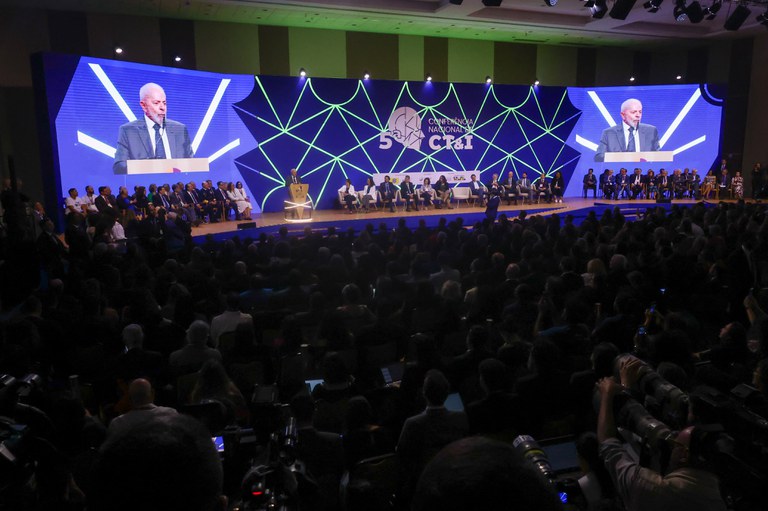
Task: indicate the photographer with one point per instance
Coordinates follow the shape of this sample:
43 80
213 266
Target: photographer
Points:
684 486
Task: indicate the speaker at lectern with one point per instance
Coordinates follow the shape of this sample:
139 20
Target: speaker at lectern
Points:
298 207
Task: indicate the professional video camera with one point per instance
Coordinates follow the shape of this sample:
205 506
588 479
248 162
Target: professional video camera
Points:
567 488
277 479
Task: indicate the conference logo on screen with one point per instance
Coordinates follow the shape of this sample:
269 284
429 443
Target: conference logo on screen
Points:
405 127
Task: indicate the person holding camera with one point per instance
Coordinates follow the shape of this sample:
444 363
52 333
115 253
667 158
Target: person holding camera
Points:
684 486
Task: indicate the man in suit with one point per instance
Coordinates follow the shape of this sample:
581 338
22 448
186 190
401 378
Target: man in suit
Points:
723 183
590 183
408 191
293 178
180 203
387 190
510 187
525 187
105 201
636 183
161 199
630 135
154 136
476 188
622 184
423 435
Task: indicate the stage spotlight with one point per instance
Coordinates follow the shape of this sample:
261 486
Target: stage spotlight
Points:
551 3
302 72
488 79
737 17
679 77
621 9
694 12
536 83
429 77
652 5
491 3
118 50
679 11
599 9
366 75
631 78
177 58
711 11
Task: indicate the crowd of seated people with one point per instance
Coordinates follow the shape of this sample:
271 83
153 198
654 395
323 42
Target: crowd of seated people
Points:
520 317
682 184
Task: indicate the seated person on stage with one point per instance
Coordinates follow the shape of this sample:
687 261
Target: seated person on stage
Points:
590 183
558 186
636 183
664 183
369 194
387 190
525 186
237 196
73 203
687 181
510 187
495 187
737 186
651 184
609 186
542 187
622 184
222 198
192 196
723 183
408 192
443 192
709 185
210 206
348 196
180 205
678 184
426 192
477 188
694 183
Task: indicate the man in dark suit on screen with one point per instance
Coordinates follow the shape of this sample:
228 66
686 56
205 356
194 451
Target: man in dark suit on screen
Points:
154 136
630 135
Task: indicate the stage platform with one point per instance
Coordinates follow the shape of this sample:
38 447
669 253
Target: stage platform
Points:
271 223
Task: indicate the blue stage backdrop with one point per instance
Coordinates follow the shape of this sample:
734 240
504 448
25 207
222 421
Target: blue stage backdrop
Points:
255 129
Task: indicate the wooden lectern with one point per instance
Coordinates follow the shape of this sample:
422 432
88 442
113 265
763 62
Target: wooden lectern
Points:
298 202
639 156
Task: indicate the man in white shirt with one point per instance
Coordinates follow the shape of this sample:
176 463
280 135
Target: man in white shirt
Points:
73 203
228 320
89 201
143 409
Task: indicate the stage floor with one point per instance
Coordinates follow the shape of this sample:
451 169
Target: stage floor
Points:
341 219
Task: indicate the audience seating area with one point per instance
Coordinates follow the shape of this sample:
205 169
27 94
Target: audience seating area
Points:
248 322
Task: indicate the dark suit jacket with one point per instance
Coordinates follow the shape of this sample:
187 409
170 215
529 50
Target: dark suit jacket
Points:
407 188
133 143
423 436
289 180
103 203
613 140
157 200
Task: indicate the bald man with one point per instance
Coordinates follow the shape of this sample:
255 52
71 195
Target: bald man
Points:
143 409
630 135
154 136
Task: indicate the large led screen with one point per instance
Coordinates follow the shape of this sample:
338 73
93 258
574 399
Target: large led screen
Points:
254 129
